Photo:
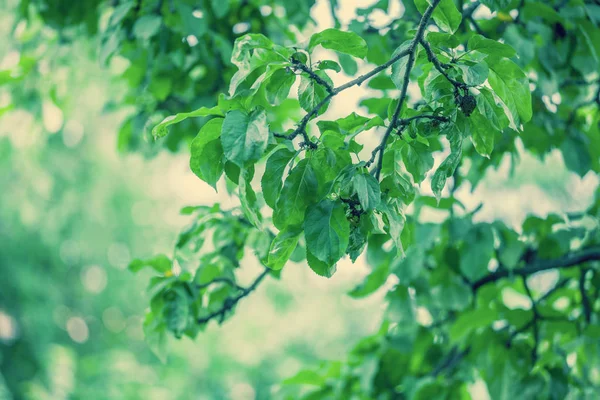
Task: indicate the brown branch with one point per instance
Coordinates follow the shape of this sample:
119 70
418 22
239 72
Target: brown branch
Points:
566 261
230 302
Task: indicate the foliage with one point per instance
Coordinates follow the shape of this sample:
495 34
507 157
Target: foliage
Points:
512 310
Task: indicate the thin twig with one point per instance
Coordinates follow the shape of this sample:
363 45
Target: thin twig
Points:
229 303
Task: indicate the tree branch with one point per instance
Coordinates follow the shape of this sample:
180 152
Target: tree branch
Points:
230 302
567 261
441 67
297 64
412 49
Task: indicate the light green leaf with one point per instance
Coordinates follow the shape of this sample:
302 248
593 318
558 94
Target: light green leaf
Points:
159 263
160 130
394 223
206 160
155 334
372 282
282 247
279 85
271 180
443 40
447 167
491 110
311 93
147 26
248 199
220 7
244 136
367 190
445 15
329 64
341 41
512 87
399 67
489 46
475 74
327 230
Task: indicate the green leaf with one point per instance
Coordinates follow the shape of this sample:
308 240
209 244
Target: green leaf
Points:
491 110
489 46
447 167
271 180
471 320
299 191
176 310
482 134
329 64
371 283
340 41
159 263
394 223
327 230
147 26
311 93
418 159
477 252
319 267
220 7
282 247
576 155
512 87
206 159
399 67
367 190
441 39
279 85
396 183
445 15
474 74
155 335
305 377
244 136
160 130
248 199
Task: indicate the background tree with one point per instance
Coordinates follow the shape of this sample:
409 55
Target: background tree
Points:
473 308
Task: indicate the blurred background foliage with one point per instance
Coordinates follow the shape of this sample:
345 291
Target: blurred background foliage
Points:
81 85
74 212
